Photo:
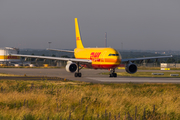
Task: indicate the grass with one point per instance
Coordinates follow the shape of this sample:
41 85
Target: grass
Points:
4 74
45 99
146 74
148 68
30 67
149 74
154 68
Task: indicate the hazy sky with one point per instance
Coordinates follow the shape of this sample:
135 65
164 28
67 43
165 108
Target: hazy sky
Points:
139 24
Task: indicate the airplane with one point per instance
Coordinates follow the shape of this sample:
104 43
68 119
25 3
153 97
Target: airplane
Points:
95 58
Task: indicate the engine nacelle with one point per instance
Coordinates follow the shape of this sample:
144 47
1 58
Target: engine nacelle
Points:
131 68
71 67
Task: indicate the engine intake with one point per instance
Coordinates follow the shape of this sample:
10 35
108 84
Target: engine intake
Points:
131 68
71 67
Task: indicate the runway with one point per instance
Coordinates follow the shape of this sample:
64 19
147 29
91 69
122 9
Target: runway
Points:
88 75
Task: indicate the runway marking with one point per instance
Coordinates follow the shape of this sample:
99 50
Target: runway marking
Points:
137 80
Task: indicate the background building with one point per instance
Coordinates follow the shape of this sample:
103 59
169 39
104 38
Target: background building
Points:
6 59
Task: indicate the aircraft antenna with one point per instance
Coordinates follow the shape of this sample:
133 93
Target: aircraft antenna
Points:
122 46
105 39
49 44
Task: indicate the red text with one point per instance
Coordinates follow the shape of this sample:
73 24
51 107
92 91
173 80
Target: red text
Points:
94 56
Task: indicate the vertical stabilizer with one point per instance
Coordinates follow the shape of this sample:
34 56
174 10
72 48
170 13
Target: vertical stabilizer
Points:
78 36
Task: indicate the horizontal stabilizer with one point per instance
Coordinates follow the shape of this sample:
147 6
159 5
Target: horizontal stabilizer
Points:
60 50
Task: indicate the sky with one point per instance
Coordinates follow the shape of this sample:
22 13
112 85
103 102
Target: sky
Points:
130 24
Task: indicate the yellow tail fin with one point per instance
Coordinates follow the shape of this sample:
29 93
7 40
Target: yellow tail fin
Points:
78 36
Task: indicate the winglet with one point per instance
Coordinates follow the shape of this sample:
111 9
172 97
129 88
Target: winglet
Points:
78 36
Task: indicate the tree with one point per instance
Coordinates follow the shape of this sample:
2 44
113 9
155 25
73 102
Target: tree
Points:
65 56
178 61
170 60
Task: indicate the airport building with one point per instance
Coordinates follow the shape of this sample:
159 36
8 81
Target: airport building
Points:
6 59
170 65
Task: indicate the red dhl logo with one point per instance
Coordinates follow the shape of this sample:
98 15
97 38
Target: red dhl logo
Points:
77 38
94 56
12 57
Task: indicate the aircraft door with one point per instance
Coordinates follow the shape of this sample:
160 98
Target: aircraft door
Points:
103 57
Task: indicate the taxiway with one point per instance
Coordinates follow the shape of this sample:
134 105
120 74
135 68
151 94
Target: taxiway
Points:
88 75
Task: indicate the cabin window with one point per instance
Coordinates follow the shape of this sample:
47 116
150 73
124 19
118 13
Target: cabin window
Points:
113 55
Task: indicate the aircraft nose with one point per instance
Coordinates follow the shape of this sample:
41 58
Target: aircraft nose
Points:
118 60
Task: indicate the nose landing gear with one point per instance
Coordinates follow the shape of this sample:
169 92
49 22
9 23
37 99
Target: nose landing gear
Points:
112 73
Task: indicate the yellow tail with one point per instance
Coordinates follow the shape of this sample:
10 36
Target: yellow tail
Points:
78 36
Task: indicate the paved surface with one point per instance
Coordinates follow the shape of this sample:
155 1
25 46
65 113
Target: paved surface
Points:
88 75
30 78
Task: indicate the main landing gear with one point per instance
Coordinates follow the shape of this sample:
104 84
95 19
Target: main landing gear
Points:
78 74
112 73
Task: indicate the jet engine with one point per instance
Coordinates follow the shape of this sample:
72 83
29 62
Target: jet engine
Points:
131 68
71 67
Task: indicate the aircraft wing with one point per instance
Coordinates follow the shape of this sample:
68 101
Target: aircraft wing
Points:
144 58
54 58
60 50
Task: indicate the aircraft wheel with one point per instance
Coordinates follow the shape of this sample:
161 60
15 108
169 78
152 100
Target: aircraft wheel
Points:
76 75
111 75
114 74
79 74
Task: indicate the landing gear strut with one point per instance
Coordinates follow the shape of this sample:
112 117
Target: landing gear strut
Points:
78 74
112 73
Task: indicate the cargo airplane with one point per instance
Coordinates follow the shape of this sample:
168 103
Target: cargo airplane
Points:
96 58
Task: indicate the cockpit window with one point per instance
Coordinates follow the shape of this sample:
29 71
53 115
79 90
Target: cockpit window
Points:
113 55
